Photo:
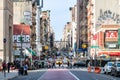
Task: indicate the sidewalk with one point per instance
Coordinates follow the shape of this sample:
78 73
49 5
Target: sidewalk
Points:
58 74
10 75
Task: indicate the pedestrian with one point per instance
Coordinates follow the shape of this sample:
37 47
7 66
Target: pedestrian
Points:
49 64
19 69
4 66
25 67
53 64
68 63
59 64
8 66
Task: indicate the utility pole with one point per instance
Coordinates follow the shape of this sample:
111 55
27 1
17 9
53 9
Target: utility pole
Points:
38 12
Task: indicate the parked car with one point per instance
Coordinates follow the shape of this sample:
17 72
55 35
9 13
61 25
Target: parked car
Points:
80 64
107 67
115 69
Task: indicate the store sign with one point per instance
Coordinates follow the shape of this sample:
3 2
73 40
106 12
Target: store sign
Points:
27 17
107 17
101 39
112 45
25 38
111 35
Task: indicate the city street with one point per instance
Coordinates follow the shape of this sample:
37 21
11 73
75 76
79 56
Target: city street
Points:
65 74
32 75
60 40
84 75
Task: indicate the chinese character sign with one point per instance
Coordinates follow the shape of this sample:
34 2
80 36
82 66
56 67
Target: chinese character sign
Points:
111 34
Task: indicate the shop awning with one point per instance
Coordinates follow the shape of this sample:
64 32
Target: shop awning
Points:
110 53
31 52
27 53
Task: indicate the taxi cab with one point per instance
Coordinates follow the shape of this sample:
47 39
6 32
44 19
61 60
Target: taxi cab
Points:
58 61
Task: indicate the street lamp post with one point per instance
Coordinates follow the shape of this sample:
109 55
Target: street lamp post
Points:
31 57
21 53
21 41
4 40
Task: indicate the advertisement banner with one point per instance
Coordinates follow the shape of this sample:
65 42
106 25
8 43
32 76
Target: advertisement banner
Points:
101 39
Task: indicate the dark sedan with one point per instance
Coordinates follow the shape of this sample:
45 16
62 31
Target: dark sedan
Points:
80 64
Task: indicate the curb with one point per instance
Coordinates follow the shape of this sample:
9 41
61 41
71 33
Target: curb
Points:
12 77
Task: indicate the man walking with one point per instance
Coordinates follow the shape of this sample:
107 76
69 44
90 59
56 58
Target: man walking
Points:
4 66
25 67
8 66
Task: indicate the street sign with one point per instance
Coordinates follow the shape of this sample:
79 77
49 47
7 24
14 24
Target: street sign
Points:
94 46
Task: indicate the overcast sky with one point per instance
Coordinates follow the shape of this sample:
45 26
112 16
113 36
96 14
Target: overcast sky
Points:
59 14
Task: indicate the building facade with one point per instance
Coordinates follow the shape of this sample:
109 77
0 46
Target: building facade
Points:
18 42
82 40
22 11
6 19
66 41
104 24
46 31
74 28
33 26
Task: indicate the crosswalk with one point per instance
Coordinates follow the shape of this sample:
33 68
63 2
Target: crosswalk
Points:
79 69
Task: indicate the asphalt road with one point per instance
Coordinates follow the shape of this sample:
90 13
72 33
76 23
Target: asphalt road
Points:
78 74
84 75
32 75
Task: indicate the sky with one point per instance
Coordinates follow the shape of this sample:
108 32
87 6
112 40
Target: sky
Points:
59 14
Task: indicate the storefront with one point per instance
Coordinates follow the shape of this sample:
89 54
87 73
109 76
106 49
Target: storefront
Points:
110 42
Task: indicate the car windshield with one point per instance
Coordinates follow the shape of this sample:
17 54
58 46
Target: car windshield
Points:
80 62
110 64
118 64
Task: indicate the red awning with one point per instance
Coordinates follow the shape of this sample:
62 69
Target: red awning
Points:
110 53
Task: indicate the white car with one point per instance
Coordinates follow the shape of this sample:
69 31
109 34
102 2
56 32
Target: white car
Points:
107 67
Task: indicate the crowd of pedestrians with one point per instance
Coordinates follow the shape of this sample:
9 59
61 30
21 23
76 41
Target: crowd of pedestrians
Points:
22 69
